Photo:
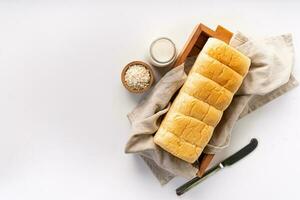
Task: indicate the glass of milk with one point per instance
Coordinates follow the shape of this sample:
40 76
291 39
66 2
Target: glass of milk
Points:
162 52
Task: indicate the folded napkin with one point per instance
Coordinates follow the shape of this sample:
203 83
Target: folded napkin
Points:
269 77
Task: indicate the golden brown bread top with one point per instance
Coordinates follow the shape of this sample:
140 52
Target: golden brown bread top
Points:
208 91
216 75
218 72
191 106
227 55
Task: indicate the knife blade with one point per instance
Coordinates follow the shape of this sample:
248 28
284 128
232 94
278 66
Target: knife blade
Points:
227 162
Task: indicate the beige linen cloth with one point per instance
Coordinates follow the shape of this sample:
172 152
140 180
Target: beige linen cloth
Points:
269 77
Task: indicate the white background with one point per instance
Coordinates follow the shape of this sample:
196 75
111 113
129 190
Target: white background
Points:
63 124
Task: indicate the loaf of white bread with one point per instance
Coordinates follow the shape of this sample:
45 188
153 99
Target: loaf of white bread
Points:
215 76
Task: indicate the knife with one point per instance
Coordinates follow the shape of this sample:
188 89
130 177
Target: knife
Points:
227 162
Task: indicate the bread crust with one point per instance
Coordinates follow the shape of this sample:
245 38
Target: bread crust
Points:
215 76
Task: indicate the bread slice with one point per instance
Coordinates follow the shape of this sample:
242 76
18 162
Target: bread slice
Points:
215 76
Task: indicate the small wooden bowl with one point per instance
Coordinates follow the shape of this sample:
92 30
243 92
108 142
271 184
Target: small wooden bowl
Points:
137 63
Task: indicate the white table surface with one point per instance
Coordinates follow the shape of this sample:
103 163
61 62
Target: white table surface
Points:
63 122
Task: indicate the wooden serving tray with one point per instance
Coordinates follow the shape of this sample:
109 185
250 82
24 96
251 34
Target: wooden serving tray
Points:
192 47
